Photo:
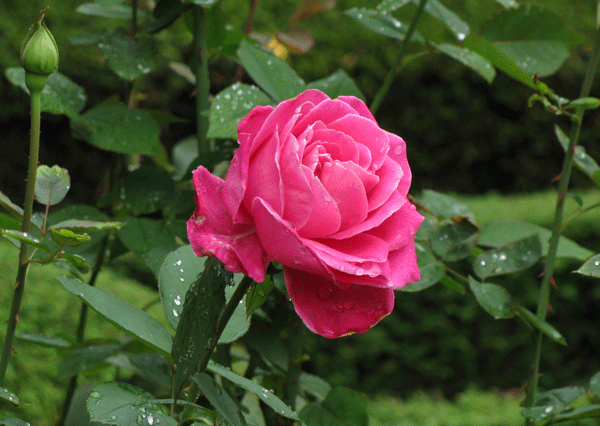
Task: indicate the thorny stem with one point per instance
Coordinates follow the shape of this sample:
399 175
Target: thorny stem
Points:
34 148
544 296
389 79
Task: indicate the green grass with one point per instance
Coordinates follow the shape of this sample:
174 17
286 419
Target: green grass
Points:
473 408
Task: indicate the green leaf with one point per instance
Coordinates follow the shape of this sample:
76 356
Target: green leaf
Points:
184 152
448 282
382 23
257 294
449 18
494 299
59 96
118 128
337 84
10 207
7 395
179 270
314 385
512 257
151 239
51 184
115 11
24 237
595 384
220 400
82 359
265 395
454 240
471 59
146 190
534 37
196 330
342 407
583 103
444 206
533 320
430 275
44 340
67 237
232 105
591 267
585 412
239 323
76 261
205 3
122 314
508 3
128 57
502 61
13 422
581 159
501 232
84 225
123 404
271 73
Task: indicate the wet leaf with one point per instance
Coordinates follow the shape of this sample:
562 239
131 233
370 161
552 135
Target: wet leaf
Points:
337 84
44 340
7 395
24 237
128 57
123 404
257 294
444 206
498 233
82 359
449 18
342 407
494 299
76 261
534 37
118 128
115 11
471 59
66 237
581 159
271 73
84 225
454 240
59 96
591 267
146 190
543 326
595 384
10 207
51 184
122 314
230 106
382 23
196 330
512 257
265 395
220 400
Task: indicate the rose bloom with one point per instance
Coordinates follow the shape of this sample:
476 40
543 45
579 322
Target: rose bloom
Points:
319 187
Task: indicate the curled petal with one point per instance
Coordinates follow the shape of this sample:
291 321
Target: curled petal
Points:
347 191
212 232
333 312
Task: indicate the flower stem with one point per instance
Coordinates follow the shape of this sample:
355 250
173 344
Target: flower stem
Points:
202 79
34 148
544 296
389 79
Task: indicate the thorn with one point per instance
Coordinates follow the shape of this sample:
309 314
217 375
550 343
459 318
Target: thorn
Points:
536 78
17 317
553 282
560 198
541 275
550 309
557 178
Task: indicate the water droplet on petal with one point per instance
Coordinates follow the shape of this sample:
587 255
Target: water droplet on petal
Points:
325 292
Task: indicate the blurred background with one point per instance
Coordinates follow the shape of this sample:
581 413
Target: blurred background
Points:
465 137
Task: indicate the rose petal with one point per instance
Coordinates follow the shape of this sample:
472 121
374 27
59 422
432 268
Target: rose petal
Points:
403 266
326 111
339 145
282 242
389 175
358 105
212 232
332 312
264 177
397 153
367 133
406 219
347 191
325 217
375 218
298 198
359 248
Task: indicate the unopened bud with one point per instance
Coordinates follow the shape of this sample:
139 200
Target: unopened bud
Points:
39 55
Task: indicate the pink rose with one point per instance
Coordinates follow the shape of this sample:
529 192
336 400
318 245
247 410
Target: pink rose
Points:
317 186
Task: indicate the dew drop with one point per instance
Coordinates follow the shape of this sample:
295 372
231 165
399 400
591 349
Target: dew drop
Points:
325 292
